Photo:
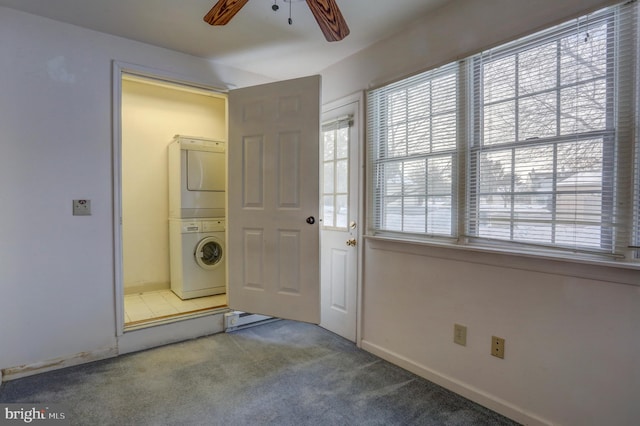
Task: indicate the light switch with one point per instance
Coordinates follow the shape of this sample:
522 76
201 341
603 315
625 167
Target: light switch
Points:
82 207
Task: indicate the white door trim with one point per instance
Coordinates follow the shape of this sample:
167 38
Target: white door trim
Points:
120 68
358 98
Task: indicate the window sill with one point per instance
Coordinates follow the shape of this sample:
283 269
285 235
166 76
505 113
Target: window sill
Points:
602 270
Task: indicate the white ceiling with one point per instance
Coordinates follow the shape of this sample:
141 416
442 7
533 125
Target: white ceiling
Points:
257 39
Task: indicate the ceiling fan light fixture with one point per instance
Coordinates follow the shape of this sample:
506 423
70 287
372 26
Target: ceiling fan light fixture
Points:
326 12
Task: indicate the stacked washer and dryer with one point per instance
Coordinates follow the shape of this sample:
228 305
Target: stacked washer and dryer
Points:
197 185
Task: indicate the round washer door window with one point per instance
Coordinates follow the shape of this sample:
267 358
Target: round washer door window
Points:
208 253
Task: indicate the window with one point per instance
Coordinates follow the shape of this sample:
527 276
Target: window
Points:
335 173
415 153
546 157
544 138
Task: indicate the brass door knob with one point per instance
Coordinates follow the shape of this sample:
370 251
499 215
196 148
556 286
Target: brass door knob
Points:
351 242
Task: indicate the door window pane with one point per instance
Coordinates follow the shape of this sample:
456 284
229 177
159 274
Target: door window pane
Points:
335 190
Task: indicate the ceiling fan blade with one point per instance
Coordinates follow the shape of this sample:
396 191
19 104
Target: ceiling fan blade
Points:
329 18
222 12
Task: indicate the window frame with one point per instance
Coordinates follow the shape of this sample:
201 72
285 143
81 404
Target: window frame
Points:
465 196
381 157
608 134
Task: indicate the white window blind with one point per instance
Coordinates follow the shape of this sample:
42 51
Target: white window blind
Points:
551 136
635 243
413 137
635 240
531 144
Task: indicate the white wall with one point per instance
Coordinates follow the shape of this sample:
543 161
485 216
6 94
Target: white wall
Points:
151 116
57 270
455 30
572 331
571 343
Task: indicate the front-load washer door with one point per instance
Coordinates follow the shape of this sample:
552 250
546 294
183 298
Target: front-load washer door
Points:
209 253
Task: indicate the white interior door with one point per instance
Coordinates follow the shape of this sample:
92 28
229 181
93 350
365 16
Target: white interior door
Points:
273 238
340 216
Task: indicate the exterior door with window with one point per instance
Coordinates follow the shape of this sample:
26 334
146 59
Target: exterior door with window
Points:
340 227
273 239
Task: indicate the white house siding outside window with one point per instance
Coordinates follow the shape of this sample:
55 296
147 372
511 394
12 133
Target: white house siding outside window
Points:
530 145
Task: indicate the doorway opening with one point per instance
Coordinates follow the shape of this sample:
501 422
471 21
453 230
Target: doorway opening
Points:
276 124
152 112
341 216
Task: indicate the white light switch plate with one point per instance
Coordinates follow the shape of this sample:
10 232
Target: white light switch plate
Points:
82 207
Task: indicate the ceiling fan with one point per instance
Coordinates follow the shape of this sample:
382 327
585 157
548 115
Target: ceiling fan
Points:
326 12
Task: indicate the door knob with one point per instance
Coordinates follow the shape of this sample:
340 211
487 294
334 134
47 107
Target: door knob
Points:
311 220
351 242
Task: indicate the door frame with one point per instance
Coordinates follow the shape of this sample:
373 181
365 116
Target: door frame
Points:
119 69
358 99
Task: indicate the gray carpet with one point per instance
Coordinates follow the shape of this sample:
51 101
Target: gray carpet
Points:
281 373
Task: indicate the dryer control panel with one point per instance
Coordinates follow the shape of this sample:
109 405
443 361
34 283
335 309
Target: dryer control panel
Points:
191 226
214 225
204 225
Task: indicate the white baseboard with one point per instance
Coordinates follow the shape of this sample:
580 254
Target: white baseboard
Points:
144 288
474 394
13 373
173 332
131 341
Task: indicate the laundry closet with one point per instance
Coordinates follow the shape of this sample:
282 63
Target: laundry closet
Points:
156 231
270 228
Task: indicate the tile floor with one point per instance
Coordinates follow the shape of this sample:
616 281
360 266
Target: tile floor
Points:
141 307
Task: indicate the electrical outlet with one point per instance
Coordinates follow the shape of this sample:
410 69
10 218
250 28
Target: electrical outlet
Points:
82 207
497 347
460 334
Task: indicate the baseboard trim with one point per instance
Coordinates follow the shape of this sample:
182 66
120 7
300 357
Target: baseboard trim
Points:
145 288
131 341
12 373
172 332
474 394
